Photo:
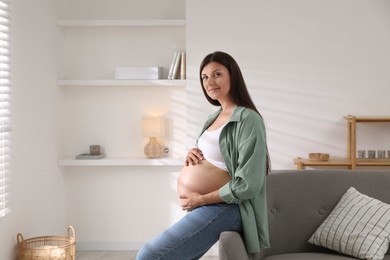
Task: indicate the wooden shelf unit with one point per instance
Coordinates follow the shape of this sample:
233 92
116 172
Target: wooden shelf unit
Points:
302 163
351 162
351 121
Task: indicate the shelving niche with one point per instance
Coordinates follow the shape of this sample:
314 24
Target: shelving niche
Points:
151 25
74 23
351 162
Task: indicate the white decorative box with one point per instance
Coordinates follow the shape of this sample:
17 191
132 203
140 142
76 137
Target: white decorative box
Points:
138 72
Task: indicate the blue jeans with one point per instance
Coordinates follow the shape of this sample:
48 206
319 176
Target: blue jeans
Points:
193 235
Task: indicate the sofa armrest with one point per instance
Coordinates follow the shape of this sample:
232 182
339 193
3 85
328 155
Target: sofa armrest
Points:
231 246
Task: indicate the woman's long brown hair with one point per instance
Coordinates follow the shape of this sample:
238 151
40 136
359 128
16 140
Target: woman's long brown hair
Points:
238 90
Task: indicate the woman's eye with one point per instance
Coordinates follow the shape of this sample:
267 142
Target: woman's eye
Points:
204 78
216 75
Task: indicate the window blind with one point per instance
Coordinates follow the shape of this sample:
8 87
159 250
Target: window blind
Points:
5 128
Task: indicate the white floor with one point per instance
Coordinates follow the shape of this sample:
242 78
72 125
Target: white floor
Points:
116 255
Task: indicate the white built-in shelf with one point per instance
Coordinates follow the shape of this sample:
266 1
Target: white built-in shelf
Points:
121 23
119 82
71 161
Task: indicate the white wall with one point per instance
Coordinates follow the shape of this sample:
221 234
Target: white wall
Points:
306 63
38 190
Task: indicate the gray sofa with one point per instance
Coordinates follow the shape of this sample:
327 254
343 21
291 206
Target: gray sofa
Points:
298 202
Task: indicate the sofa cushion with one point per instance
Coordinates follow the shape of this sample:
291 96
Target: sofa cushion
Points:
308 256
358 226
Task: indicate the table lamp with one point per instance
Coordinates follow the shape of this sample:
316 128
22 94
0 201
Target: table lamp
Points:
153 127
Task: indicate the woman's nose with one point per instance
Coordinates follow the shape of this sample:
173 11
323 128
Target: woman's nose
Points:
211 81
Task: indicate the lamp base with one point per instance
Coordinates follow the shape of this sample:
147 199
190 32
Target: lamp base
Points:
153 149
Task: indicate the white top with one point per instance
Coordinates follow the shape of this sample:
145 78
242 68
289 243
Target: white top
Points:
208 143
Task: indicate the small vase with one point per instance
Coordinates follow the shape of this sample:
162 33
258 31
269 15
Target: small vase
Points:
153 149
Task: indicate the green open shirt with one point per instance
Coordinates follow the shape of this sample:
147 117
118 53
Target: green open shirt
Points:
243 147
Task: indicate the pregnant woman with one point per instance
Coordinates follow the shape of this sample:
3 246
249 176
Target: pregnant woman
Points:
222 185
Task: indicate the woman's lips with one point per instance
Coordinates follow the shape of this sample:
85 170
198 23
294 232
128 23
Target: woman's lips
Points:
213 89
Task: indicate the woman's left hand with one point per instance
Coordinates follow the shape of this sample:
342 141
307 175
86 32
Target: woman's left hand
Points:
191 201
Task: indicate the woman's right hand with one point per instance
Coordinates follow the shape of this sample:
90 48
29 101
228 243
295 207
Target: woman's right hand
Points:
194 156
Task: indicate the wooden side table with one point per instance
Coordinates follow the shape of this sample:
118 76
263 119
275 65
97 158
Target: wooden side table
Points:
302 163
351 162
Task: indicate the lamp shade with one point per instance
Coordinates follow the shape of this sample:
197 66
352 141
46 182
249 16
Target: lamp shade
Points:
153 126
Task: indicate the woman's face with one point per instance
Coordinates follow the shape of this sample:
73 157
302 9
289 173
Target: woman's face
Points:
216 81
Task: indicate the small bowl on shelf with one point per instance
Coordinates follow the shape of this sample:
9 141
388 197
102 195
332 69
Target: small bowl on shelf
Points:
318 157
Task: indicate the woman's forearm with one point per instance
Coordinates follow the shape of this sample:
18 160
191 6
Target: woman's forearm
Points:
212 198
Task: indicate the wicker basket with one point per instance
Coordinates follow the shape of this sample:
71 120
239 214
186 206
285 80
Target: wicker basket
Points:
48 247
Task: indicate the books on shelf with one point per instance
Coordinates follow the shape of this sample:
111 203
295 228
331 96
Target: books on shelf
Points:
170 73
138 72
183 66
177 70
